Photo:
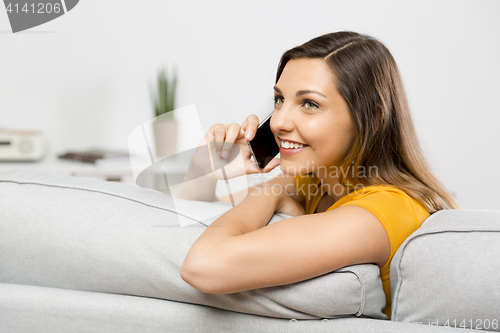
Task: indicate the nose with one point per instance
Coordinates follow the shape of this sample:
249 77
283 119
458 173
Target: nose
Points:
282 120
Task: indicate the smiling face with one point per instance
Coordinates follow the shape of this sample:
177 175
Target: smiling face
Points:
310 111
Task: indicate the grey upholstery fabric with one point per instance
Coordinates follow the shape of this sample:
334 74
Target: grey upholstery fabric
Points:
29 309
81 234
448 271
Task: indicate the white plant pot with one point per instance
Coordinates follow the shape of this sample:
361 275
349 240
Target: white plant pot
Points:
165 133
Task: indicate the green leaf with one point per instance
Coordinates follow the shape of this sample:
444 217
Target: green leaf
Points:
173 90
164 102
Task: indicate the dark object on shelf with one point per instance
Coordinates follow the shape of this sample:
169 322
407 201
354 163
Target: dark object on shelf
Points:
93 155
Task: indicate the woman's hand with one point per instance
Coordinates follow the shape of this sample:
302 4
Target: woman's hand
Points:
221 138
206 165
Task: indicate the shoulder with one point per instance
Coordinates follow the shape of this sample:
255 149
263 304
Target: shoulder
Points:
397 211
383 196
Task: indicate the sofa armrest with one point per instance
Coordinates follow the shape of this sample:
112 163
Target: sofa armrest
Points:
447 272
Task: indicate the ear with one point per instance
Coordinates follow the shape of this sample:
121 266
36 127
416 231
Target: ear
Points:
380 116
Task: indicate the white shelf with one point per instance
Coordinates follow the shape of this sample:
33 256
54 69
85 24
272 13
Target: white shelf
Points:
122 172
75 168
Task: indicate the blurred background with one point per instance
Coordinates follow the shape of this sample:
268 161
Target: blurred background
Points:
83 79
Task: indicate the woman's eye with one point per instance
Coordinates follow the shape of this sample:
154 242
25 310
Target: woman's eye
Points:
278 100
310 105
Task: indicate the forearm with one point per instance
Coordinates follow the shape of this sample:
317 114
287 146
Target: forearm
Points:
252 213
198 186
213 252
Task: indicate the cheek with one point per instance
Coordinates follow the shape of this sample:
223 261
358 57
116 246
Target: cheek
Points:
346 139
323 132
345 143
314 132
335 140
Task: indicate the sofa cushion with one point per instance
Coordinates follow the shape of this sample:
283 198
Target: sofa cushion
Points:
83 234
447 273
52 310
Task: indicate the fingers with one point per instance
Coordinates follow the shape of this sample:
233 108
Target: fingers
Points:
224 137
232 133
271 165
227 135
250 126
218 131
251 166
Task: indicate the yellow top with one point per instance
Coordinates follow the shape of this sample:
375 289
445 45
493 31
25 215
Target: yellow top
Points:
399 214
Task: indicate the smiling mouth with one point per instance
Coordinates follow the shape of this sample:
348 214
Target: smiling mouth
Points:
291 145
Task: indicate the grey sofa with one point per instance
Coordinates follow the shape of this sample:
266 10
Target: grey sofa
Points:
82 255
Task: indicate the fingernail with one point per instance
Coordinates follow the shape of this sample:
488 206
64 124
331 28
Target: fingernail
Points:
218 153
249 135
225 154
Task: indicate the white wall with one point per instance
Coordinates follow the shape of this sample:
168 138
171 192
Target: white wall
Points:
83 78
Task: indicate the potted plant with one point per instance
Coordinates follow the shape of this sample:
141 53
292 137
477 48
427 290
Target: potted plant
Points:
165 126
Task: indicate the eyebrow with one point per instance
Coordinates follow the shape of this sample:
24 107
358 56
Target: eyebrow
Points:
301 92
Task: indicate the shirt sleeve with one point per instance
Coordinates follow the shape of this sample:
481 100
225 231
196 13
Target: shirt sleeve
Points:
396 212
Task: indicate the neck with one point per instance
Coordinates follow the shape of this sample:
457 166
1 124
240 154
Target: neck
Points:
331 185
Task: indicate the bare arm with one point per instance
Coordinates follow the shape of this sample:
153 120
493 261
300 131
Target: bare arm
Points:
238 252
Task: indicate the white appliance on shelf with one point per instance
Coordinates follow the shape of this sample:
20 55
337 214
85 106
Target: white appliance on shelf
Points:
21 145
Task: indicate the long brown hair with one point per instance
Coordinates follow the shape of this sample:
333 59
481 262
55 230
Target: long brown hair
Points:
366 75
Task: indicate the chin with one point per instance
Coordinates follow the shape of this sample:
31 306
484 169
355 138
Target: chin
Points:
294 169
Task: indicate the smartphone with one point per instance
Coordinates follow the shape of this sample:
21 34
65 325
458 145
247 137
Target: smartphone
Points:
263 146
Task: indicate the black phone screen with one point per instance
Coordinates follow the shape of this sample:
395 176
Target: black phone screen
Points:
263 146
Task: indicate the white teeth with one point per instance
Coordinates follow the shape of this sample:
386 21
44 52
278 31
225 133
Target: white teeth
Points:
286 144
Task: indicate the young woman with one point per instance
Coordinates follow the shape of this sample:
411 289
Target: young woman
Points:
354 177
